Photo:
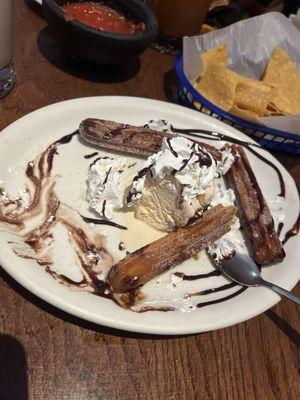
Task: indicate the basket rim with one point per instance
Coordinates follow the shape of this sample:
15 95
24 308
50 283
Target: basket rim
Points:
239 121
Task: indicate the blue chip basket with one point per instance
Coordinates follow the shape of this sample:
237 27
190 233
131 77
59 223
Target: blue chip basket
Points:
273 139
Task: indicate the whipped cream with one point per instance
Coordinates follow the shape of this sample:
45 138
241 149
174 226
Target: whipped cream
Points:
180 161
276 206
228 244
226 161
225 197
232 242
106 181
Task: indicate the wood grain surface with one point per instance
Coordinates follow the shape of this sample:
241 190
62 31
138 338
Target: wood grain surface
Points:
46 354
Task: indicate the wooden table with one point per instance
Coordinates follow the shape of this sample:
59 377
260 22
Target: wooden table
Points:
47 354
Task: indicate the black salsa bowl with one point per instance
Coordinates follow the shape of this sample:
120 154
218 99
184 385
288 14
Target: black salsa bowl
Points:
100 46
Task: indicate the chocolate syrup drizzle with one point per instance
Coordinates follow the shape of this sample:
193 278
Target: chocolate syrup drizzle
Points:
220 300
279 229
97 159
142 172
213 290
161 309
184 163
106 176
101 288
202 293
175 154
66 139
103 208
87 156
293 231
115 132
196 277
133 192
97 221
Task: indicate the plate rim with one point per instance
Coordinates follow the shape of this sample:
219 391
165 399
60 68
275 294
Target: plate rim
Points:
121 324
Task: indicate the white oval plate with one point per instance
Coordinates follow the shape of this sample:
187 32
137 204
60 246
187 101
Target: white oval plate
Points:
28 136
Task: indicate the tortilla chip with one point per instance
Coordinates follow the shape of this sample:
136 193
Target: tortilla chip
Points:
272 111
286 98
279 68
254 83
205 28
251 98
218 55
277 94
282 74
244 114
218 85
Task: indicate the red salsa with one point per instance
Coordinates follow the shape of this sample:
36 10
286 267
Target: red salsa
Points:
102 17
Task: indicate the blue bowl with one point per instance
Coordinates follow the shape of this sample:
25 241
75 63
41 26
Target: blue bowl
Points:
273 139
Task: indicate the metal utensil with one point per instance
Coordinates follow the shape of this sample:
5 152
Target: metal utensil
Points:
242 269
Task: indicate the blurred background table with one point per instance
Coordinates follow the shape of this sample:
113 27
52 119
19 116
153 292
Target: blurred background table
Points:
46 354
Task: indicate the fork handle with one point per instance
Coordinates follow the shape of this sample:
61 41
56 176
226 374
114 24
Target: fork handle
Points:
282 292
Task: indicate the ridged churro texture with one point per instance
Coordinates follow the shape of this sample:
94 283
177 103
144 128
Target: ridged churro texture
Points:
253 209
146 263
137 140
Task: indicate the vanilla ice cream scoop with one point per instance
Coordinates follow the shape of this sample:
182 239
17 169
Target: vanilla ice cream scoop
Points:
161 205
174 184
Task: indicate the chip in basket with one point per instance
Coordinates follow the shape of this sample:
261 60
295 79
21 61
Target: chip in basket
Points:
278 93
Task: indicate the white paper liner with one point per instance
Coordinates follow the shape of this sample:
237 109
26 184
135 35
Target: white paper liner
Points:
250 44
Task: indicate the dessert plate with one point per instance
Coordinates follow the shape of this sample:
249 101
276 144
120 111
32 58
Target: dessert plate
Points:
22 141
